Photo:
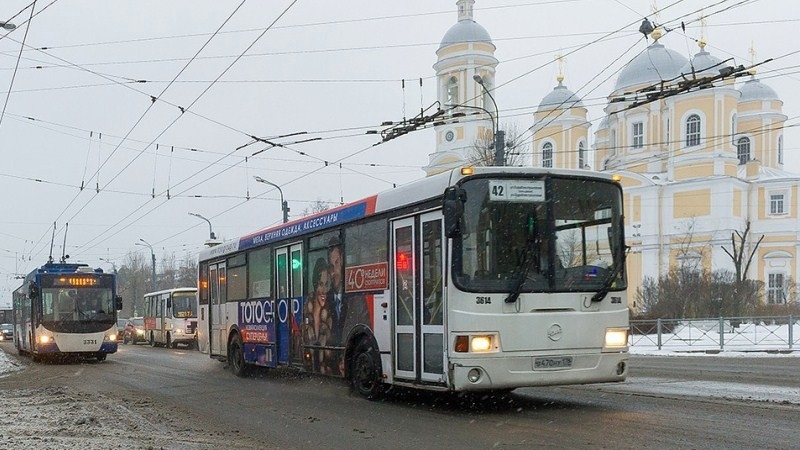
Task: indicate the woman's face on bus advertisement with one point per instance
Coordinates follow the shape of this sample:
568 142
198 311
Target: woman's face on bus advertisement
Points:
323 285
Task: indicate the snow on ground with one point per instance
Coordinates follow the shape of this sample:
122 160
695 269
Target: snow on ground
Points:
63 418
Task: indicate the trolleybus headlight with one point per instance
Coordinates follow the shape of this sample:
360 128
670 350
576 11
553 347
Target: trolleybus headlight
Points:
45 339
112 337
480 344
140 331
616 337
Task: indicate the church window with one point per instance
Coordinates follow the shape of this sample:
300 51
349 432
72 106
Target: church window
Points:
776 291
693 130
581 155
638 135
547 155
776 204
452 91
780 149
743 150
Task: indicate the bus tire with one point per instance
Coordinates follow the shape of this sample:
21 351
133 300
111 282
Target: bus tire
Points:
152 340
365 370
169 341
101 356
236 356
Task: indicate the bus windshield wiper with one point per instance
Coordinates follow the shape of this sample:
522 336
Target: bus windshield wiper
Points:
601 294
523 268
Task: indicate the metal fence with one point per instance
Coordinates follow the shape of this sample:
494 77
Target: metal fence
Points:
771 333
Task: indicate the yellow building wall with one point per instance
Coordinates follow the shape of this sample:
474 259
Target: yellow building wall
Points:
700 170
635 276
691 204
737 203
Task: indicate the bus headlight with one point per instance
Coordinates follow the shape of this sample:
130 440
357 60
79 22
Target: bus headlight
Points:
480 344
44 339
178 331
112 337
616 337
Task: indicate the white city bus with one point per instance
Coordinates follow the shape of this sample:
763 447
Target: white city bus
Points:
489 278
170 317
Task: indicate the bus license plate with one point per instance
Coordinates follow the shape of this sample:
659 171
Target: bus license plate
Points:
552 363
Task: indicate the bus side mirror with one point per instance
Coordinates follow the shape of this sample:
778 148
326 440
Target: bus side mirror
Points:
118 300
33 291
453 209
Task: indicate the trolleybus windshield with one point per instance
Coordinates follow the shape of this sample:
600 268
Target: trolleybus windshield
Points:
539 235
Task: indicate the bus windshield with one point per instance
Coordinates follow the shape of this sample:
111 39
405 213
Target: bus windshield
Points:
184 305
549 234
78 305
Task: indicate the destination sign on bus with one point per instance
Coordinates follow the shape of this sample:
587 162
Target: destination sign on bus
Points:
76 281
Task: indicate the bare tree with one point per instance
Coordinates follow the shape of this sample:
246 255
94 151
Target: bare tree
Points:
483 149
318 206
738 252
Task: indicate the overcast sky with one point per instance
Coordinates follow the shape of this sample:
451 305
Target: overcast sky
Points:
79 114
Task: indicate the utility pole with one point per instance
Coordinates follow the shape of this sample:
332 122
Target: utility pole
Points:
499 135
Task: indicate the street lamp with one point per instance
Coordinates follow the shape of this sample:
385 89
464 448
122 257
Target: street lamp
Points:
153 256
210 230
110 262
499 135
284 204
8 25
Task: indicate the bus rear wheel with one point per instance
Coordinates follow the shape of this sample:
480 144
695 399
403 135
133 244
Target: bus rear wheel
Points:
236 356
365 370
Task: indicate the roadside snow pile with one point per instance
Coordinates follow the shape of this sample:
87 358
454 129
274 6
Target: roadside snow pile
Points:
7 364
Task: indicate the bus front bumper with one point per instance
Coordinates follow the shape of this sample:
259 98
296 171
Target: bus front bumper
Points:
509 372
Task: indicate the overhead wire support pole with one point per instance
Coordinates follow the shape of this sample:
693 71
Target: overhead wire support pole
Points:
499 135
284 203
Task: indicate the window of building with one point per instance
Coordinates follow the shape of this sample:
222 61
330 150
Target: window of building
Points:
743 150
638 135
452 91
693 130
780 149
547 155
581 155
733 129
776 204
776 293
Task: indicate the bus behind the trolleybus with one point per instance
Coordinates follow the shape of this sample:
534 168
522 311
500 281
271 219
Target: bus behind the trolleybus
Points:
170 317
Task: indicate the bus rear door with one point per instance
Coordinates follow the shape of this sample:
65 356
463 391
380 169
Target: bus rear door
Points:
218 298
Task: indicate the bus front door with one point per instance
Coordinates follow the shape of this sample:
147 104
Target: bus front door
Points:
418 298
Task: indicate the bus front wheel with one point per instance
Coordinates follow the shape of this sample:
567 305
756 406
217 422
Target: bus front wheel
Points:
101 356
169 341
365 370
236 356
152 340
